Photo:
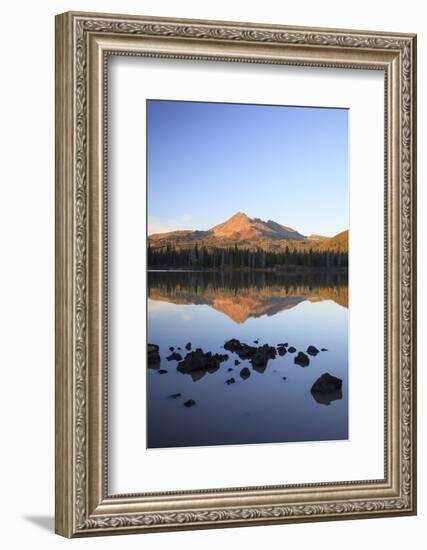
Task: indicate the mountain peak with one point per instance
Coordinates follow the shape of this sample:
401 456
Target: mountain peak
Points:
239 225
239 216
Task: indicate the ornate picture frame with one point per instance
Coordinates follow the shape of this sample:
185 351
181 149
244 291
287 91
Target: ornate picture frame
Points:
84 42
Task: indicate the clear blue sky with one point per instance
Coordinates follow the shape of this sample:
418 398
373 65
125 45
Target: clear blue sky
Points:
207 161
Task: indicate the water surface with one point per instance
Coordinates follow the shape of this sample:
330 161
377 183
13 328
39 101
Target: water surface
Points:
207 309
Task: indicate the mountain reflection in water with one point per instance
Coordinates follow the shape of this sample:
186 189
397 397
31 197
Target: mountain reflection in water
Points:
241 295
203 389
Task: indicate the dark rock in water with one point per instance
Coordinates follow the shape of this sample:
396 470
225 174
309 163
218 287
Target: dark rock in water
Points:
175 395
326 389
292 349
284 378
233 345
236 362
312 350
229 369
246 352
281 351
326 384
301 359
162 371
258 356
189 403
323 349
230 381
174 357
243 350
256 341
282 345
262 355
152 348
188 346
171 348
197 363
327 398
153 356
179 348
245 373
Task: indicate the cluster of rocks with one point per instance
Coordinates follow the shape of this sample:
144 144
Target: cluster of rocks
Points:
257 355
197 363
198 360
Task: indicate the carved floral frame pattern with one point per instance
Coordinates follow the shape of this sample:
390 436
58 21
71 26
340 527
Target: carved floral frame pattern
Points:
73 516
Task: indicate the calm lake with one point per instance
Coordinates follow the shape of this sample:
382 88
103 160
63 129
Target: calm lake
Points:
274 403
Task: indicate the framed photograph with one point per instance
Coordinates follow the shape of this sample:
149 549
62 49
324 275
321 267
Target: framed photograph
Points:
235 274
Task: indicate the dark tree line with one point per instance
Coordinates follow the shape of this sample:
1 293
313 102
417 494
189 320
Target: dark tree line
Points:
238 258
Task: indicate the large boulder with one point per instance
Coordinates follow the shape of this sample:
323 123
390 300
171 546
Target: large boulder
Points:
326 389
326 384
302 359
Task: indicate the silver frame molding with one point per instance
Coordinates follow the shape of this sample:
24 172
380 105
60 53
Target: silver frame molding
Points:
83 43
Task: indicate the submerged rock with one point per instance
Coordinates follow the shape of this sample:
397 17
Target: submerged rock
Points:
236 362
174 357
189 403
153 356
292 349
171 348
245 373
229 369
230 381
301 359
283 377
256 341
323 349
312 350
188 346
175 395
162 371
